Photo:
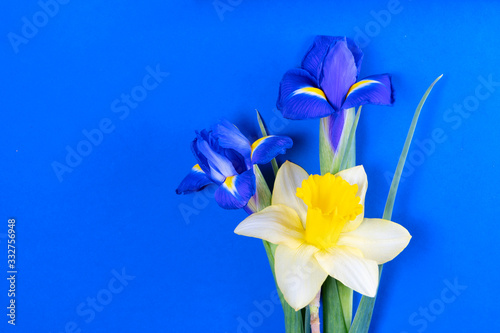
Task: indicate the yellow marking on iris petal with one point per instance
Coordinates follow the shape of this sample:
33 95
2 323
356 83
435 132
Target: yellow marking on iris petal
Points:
257 143
310 91
229 183
197 168
361 84
331 202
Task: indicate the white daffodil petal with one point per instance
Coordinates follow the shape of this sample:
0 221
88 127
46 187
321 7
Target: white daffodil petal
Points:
378 239
349 267
298 274
277 224
290 176
356 175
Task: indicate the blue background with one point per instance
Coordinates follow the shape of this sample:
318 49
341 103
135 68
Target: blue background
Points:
117 210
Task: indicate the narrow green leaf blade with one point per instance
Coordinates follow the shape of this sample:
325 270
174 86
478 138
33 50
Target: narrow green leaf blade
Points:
345 295
333 316
363 317
402 159
307 321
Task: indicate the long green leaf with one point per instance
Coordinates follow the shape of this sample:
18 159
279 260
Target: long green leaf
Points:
346 299
307 321
363 317
333 316
402 159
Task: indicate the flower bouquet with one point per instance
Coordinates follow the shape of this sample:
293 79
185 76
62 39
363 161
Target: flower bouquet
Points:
319 243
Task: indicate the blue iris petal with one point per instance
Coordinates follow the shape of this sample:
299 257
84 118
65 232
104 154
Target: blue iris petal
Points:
202 160
356 53
375 89
230 137
236 190
267 148
240 164
194 181
339 74
220 166
300 98
313 60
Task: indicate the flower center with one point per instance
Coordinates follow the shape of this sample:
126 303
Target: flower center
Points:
331 202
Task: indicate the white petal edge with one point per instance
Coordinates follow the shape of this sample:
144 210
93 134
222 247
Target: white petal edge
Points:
298 274
349 267
290 176
356 175
277 224
378 239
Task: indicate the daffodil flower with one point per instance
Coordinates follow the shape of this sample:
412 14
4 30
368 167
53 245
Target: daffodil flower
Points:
327 85
226 158
319 226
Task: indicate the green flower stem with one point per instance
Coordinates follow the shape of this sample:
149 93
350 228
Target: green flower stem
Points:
363 317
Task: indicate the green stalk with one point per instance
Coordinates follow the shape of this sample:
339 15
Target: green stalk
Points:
363 317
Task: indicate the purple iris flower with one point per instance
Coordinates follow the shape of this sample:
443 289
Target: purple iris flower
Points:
226 158
327 84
